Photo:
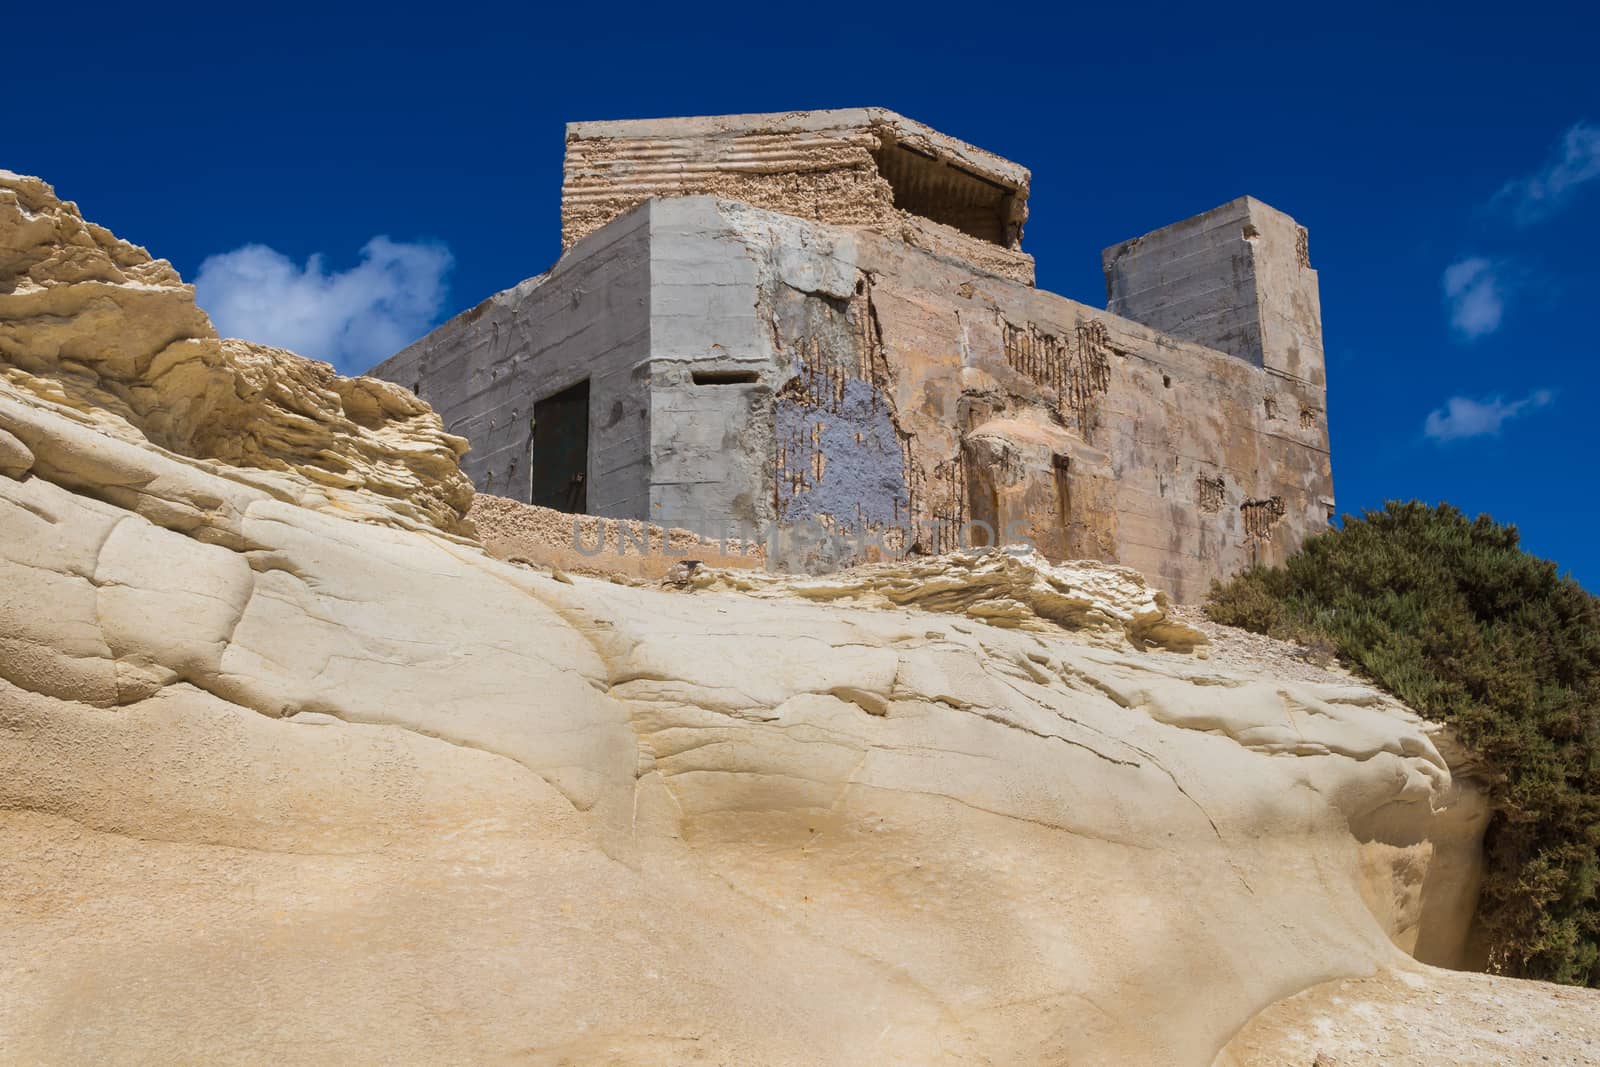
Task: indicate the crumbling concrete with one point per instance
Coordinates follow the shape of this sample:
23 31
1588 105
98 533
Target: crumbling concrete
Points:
855 167
621 550
806 368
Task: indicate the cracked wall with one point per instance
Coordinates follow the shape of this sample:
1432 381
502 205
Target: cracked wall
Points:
839 459
1087 434
753 368
1077 371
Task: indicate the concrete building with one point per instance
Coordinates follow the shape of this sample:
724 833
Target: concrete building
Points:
827 319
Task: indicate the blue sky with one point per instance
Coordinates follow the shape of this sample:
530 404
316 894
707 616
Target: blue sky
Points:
377 170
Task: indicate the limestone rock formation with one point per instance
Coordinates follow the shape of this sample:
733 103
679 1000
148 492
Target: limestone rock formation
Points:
1012 588
276 784
1412 1015
93 325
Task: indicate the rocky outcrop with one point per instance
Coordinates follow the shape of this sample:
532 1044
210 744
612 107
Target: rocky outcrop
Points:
93 326
1410 1015
298 774
1013 588
277 784
617 549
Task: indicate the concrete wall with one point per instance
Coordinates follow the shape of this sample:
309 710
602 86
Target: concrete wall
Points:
890 389
588 318
1237 278
711 440
912 389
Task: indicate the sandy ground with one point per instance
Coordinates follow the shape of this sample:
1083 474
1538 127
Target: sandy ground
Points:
627 552
1426 1016
1241 648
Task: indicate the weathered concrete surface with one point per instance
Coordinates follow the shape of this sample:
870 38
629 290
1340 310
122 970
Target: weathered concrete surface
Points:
589 317
884 390
908 391
617 549
1237 278
788 354
855 167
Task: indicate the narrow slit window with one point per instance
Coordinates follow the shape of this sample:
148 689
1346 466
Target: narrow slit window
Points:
725 377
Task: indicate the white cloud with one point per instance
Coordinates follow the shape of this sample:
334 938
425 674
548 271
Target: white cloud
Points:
1461 417
350 318
1476 294
1541 195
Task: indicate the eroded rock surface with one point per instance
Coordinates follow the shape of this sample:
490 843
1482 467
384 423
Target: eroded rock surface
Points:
272 776
278 784
1423 1016
276 751
92 325
1014 588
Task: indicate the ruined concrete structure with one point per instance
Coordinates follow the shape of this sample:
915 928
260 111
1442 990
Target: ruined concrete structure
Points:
828 316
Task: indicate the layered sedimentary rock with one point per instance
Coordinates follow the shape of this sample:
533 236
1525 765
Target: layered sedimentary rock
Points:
280 776
93 326
278 784
1007 589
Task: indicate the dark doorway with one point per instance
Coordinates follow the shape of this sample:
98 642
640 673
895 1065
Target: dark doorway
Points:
560 458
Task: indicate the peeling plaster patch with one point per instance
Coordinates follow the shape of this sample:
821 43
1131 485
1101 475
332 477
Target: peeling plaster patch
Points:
1077 374
1260 516
843 463
803 257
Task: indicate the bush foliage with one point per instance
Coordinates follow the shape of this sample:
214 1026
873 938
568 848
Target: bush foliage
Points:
1451 616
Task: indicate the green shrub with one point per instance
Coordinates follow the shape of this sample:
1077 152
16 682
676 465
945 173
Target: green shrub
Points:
1451 616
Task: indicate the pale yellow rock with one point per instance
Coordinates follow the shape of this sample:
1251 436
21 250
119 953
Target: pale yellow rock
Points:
1412 1014
93 324
15 459
1011 588
276 785
335 773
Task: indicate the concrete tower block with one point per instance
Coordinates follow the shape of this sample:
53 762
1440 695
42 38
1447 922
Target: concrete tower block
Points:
1237 278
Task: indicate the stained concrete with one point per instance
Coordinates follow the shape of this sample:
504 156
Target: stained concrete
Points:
751 367
589 318
1237 278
